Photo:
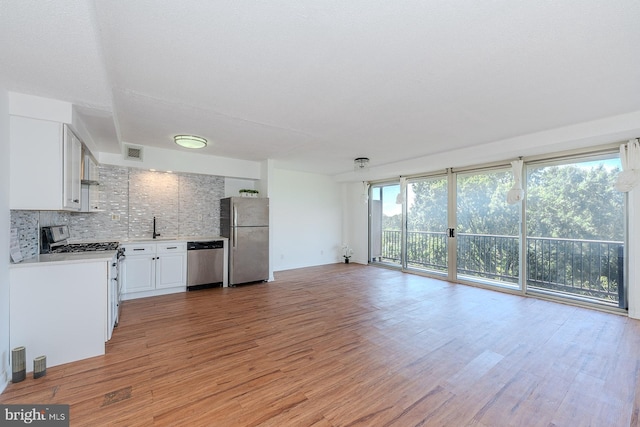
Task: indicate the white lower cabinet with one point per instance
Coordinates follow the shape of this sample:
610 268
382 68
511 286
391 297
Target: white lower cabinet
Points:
138 268
171 266
154 269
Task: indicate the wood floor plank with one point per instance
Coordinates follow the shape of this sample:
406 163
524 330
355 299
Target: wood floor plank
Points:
352 345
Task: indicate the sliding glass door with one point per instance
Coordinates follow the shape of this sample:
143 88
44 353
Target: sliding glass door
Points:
385 224
427 224
566 239
488 229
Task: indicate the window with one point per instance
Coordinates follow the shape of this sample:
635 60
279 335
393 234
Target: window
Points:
566 239
385 225
576 230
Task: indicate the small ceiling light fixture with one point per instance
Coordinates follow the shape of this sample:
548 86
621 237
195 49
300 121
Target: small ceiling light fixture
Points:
190 141
361 164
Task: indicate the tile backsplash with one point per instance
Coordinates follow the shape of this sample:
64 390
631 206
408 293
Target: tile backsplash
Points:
27 224
183 204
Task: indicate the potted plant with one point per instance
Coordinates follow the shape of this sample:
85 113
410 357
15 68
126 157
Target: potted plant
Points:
247 192
346 253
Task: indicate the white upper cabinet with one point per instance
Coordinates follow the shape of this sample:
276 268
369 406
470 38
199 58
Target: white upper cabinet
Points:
90 195
72 166
45 165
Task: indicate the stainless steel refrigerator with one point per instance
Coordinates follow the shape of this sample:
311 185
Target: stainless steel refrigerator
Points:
245 222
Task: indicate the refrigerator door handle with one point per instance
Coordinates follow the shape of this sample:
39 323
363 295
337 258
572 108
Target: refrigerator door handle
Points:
234 228
235 237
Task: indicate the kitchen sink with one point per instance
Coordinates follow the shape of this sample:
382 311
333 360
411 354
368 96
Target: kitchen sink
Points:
157 239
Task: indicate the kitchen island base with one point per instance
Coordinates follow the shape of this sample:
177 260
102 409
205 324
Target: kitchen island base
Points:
59 310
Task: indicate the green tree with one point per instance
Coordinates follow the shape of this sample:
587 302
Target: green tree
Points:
574 202
482 205
428 210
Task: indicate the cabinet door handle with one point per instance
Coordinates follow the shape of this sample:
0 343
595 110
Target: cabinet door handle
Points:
138 249
76 201
172 247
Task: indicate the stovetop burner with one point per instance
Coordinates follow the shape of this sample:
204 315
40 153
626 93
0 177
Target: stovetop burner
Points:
85 247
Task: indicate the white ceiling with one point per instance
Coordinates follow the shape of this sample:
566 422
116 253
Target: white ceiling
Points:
314 84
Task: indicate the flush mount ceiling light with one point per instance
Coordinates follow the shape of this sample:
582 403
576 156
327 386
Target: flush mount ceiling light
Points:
361 164
190 141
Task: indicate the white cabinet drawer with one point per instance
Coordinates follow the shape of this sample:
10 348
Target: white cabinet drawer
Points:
139 249
172 247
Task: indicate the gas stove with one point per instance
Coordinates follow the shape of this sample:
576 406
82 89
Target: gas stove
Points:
53 240
85 247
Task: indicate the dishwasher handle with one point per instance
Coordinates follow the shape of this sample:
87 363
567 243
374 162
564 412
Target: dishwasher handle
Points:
203 245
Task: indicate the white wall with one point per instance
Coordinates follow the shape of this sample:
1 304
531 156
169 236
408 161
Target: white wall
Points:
306 219
4 238
633 257
191 162
40 108
265 187
232 186
356 221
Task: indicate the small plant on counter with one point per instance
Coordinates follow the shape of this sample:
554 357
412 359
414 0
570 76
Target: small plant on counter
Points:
247 192
346 253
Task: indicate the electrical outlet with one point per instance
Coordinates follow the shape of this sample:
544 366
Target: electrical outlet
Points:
199 217
115 217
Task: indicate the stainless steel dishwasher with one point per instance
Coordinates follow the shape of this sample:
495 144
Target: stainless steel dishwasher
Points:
205 264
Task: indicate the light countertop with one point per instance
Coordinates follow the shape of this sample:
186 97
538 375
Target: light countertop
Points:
163 239
66 258
93 256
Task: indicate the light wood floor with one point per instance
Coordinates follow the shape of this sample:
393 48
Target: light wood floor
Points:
347 345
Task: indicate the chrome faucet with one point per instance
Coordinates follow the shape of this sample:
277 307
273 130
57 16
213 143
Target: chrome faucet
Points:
154 228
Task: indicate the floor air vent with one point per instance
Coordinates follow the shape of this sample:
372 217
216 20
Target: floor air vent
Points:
132 152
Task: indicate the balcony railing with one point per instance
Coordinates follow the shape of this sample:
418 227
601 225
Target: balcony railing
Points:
590 269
